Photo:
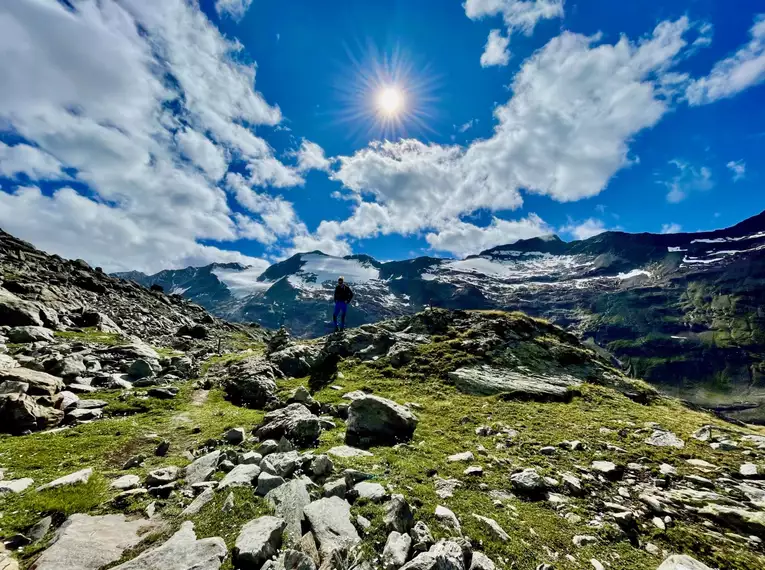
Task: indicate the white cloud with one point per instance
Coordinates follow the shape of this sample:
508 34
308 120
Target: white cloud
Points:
310 156
462 238
689 178
586 229
576 106
147 102
463 128
671 228
738 168
234 9
496 51
22 158
730 76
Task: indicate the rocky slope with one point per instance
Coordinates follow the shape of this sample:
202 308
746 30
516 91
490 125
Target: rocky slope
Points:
456 440
684 311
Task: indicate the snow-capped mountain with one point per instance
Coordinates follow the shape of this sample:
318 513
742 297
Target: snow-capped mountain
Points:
678 308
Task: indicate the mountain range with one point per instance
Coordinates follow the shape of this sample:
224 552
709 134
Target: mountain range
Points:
685 311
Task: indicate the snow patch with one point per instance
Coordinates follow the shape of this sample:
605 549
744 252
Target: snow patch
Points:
318 269
675 249
179 290
633 273
243 282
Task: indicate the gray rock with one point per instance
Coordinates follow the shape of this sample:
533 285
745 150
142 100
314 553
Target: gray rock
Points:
228 504
487 381
235 436
464 456
39 530
377 421
202 469
20 412
608 469
18 312
748 471
15 485
370 491
289 500
78 478
682 562
296 360
163 392
396 551
581 540
258 541
267 482
331 524
445 487
347 451
295 422
362 522
473 471
251 382
249 458
294 560
448 519
528 482
665 439
90 543
30 334
572 484
84 415
483 562
336 488
140 368
321 465
162 476
493 526
450 555
38 383
181 552
240 476
736 518
281 464
198 503
126 482
424 561
422 539
398 514
307 545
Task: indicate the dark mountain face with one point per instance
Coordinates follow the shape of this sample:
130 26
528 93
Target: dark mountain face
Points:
685 311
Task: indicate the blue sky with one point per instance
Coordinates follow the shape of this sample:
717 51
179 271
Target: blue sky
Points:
142 135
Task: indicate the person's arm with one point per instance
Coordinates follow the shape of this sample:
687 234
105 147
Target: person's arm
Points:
350 294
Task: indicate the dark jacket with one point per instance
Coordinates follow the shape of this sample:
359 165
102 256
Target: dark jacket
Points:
343 293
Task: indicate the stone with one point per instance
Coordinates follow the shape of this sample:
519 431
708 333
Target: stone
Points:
373 492
528 482
15 486
450 555
282 464
748 471
482 562
494 529
682 562
336 488
198 503
289 500
736 518
295 560
398 514
464 456
268 482
133 462
448 519
140 368
251 383
89 543
424 561
249 458
295 422
701 464
473 471
445 487
202 469
597 564
78 478
38 383
396 551
181 552
347 451
665 439
240 476
581 540
422 539
84 415
659 523
378 421
39 530
330 522
28 334
163 392
548 450
608 469
228 504
126 482
321 465
572 484
667 469
15 311
488 381
363 523
162 476
307 545
235 436
20 413
258 541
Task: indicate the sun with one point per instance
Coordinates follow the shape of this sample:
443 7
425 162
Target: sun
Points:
390 101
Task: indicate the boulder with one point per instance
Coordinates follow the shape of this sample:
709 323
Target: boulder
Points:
15 485
251 382
288 501
202 469
281 464
78 478
38 383
162 476
195 330
528 482
330 520
682 562
665 439
493 527
20 413
448 519
295 560
451 555
240 476
234 436
90 543
396 550
347 451
377 421
258 541
608 469
295 422
295 360
398 514
422 538
30 334
268 482
181 552
482 562
198 503
126 482
487 381
140 368
370 491
16 312
163 392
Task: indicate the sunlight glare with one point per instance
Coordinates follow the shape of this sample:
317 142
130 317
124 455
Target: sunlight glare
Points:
390 100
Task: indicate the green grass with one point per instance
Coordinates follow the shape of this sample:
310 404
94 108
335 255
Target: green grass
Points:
92 335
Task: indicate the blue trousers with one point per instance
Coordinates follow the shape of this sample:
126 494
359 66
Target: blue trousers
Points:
341 307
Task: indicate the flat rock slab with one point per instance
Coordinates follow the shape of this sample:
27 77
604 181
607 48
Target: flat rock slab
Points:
682 562
198 504
39 383
78 478
15 485
240 476
370 491
330 520
203 468
258 541
126 482
89 543
487 381
289 500
181 552
665 439
348 451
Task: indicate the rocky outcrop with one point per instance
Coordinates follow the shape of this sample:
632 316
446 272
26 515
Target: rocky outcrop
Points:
487 381
378 421
295 422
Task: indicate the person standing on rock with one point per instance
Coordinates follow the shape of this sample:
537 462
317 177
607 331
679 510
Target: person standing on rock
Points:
343 296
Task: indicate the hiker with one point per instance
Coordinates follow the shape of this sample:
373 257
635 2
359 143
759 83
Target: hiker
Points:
343 296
